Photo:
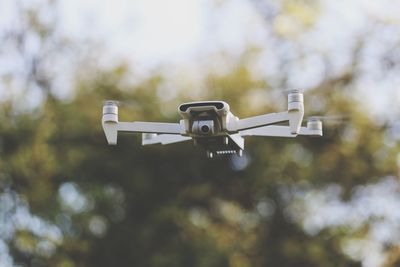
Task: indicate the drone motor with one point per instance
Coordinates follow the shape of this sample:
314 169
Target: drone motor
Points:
110 112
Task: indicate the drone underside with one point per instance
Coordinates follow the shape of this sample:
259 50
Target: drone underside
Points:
220 145
210 124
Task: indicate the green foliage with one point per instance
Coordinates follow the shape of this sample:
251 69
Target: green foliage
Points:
170 206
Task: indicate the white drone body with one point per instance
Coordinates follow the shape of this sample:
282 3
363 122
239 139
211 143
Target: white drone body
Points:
212 125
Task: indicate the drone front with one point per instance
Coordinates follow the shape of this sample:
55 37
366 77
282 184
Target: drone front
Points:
211 125
207 123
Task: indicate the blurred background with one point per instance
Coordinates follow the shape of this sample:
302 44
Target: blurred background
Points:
68 199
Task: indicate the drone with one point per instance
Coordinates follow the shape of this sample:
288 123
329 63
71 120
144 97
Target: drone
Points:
211 124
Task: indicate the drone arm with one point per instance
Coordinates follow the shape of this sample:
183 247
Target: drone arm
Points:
150 127
282 131
111 129
238 140
257 121
164 139
272 130
294 115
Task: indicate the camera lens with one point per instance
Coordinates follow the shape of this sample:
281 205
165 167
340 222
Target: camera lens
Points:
205 129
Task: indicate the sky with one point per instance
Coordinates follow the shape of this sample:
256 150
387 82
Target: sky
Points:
185 36
152 33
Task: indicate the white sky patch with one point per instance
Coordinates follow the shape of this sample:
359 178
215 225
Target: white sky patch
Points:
72 199
7 13
15 215
336 36
5 258
234 26
148 32
377 205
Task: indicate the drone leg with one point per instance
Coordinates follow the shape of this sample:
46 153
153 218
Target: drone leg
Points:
239 152
226 140
210 155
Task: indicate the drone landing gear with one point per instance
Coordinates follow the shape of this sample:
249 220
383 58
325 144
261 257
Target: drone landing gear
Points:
226 140
221 145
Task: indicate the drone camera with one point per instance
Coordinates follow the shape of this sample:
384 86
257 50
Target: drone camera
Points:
203 127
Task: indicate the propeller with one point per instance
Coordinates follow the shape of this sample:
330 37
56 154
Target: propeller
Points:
331 119
292 91
286 91
111 103
118 103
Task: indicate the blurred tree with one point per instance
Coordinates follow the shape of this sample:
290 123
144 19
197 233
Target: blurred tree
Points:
170 206
97 205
